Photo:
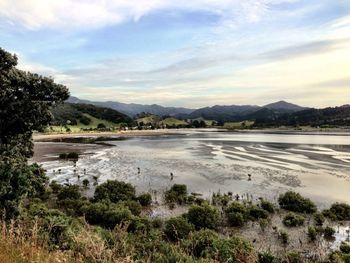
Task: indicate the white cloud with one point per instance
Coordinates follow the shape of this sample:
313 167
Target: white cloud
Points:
36 14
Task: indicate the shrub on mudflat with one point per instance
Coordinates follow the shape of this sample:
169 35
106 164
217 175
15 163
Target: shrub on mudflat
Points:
204 216
292 220
295 202
114 191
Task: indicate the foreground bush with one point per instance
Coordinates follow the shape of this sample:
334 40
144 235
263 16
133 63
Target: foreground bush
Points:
204 216
176 194
236 214
295 202
145 199
106 214
114 191
177 228
293 220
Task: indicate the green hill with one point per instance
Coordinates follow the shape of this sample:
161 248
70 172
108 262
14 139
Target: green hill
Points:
80 116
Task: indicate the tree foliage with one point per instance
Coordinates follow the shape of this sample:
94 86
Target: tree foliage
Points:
25 100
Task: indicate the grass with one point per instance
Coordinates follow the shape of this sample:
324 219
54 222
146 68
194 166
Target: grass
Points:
93 124
153 119
172 121
238 125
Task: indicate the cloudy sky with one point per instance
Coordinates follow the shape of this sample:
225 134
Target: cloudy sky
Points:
189 53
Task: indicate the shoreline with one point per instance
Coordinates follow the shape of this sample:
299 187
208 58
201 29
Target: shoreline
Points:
39 137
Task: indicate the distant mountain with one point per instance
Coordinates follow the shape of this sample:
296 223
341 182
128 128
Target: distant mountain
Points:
283 105
331 116
236 113
133 109
223 113
220 113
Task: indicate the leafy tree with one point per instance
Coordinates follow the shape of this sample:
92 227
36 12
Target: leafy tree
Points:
25 101
114 191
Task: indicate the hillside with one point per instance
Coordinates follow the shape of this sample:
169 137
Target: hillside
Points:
154 120
337 116
132 109
86 114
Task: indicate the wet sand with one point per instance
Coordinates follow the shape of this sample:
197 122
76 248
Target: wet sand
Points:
315 165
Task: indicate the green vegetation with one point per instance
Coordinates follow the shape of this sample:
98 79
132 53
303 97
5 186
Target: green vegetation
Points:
338 211
295 202
238 125
86 115
293 220
70 155
44 222
203 216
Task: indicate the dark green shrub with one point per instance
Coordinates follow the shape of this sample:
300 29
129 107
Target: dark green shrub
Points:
293 220
329 233
62 156
312 233
134 206
256 213
139 224
236 214
204 216
283 236
233 249
106 214
344 248
69 192
56 187
267 206
72 155
201 241
294 257
145 199
341 211
101 126
267 257
114 191
86 183
177 228
157 222
176 194
85 120
55 224
295 202
319 219
236 219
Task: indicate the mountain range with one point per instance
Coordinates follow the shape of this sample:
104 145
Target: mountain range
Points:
217 112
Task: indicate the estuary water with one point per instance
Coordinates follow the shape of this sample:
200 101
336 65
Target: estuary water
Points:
248 163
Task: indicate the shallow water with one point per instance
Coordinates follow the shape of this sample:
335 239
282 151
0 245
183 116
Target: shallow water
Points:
317 166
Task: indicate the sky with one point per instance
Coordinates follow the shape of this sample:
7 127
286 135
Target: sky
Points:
193 53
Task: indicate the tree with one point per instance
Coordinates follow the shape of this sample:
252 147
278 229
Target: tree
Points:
25 101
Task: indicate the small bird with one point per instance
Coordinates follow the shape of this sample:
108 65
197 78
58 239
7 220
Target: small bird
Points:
171 176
